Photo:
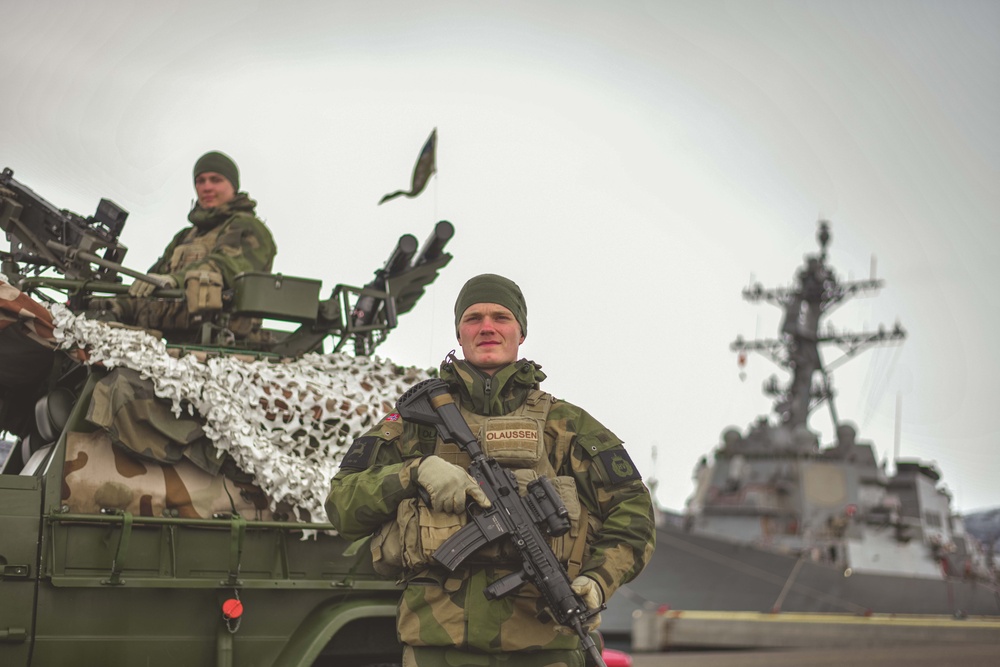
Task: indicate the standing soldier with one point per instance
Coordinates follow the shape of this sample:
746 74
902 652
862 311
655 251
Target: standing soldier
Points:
225 239
444 619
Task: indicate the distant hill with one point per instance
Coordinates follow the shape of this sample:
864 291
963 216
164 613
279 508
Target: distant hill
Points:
984 525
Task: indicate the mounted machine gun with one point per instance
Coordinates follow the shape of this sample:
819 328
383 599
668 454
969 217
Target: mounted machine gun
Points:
87 256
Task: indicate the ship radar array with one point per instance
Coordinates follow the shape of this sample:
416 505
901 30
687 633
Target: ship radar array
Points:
816 292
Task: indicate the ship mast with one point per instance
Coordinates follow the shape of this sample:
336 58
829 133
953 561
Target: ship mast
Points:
814 295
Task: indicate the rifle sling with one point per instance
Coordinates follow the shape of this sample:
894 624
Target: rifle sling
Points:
575 563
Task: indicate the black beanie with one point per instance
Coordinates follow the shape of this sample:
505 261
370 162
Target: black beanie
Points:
491 288
220 163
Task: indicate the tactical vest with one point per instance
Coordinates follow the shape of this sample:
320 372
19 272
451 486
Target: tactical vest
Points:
203 287
517 441
194 247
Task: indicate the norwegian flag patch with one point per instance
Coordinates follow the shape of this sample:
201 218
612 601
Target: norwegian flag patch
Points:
394 417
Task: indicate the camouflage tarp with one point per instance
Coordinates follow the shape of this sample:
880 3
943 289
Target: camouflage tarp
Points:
26 315
285 423
98 477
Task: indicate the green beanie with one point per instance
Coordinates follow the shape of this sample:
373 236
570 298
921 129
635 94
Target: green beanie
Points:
220 163
491 288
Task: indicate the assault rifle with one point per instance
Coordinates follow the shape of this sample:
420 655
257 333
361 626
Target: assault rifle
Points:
429 403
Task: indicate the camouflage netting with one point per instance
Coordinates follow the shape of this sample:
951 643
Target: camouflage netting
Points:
288 424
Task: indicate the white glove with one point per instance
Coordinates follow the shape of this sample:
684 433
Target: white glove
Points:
448 485
140 288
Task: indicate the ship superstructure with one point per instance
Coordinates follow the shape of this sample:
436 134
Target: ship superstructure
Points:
777 486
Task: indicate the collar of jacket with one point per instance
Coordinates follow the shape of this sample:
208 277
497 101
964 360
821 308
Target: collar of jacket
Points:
495 395
209 218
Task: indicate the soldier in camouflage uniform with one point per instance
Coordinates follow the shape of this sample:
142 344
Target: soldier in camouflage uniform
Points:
226 238
444 618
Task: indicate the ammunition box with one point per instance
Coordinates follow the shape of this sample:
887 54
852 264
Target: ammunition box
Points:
274 296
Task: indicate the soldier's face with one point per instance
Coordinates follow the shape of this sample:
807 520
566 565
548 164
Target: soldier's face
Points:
489 336
213 189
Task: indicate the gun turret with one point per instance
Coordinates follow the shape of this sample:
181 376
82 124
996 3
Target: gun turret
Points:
399 284
395 290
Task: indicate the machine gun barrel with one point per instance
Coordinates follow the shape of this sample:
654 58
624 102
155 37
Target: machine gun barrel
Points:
401 255
74 253
430 404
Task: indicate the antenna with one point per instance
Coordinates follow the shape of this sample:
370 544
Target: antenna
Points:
899 422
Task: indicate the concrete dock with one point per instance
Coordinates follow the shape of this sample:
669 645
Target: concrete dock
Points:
924 655
673 630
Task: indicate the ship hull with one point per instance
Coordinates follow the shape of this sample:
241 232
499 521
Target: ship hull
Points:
701 572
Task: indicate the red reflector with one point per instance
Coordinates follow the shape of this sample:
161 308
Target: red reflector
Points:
232 608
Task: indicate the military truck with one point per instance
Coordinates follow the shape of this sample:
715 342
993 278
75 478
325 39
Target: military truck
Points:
113 556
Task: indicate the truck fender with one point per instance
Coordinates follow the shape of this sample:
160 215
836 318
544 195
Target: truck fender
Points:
323 623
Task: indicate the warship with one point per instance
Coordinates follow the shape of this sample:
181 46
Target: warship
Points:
779 522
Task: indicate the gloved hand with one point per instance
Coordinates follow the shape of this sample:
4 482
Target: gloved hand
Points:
592 595
589 591
140 288
448 485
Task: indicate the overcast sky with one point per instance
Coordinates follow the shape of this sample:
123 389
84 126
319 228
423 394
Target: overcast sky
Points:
632 165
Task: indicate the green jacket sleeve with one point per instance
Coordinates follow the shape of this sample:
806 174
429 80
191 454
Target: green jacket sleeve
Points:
612 489
373 480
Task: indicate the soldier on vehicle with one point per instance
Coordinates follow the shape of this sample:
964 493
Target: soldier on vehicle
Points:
444 618
225 239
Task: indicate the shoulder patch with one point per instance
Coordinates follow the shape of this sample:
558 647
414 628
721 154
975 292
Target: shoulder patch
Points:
360 455
618 466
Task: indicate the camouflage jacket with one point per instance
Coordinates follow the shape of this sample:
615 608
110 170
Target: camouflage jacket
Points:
442 610
238 242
